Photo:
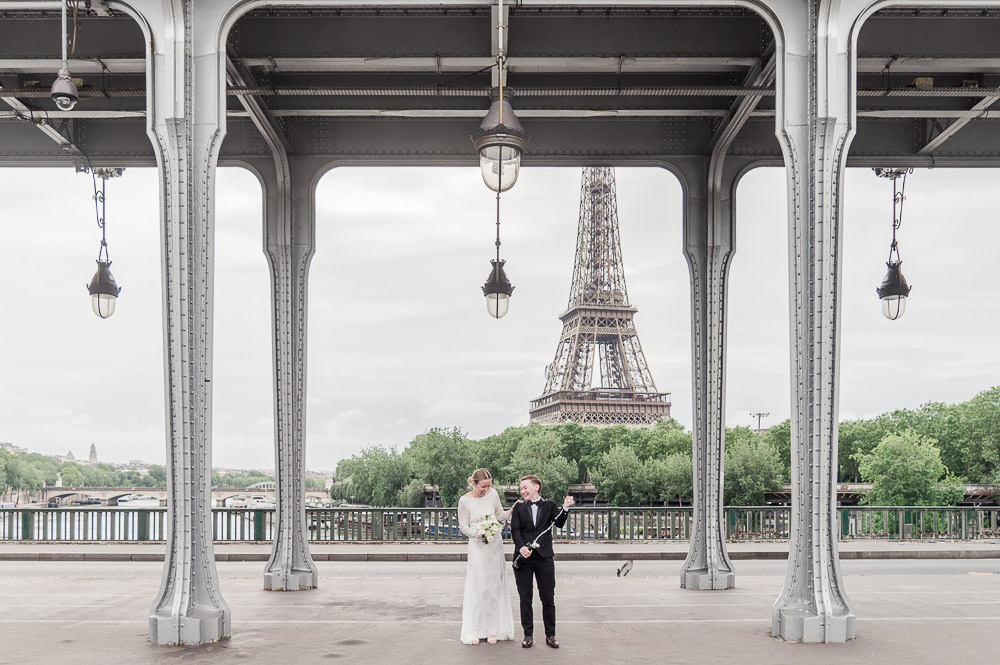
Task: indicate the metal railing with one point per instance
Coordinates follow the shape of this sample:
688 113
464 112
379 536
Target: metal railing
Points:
755 523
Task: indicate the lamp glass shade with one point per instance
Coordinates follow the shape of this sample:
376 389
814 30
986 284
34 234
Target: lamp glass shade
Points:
893 307
103 290
497 304
103 304
497 290
893 291
500 165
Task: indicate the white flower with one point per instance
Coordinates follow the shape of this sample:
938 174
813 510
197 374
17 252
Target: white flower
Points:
488 528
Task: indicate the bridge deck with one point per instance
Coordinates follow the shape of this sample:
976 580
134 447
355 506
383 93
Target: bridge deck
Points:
90 613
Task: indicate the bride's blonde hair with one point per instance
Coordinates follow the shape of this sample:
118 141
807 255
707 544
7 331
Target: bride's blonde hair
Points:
478 476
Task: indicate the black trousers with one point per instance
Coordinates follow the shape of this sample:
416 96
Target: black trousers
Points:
543 570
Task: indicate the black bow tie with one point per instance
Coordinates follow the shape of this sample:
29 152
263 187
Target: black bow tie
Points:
536 503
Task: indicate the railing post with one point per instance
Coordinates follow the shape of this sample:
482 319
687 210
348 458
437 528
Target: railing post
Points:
378 521
259 530
142 528
27 525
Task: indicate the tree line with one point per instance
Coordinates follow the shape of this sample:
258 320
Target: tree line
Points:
26 473
910 457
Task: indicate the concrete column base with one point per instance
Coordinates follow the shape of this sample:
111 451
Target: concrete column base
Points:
809 626
705 580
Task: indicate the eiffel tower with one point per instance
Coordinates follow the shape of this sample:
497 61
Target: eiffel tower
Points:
599 344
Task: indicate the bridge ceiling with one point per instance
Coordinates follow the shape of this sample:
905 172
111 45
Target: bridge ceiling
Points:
591 85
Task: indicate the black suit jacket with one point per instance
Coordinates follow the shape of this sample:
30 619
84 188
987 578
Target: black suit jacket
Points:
523 530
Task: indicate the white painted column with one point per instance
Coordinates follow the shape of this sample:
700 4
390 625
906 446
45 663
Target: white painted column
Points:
815 127
186 124
289 243
708 247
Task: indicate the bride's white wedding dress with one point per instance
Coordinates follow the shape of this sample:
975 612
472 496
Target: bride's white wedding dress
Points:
486 608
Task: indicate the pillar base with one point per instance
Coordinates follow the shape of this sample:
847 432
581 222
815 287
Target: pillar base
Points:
808 626
296 580
705 580
201 626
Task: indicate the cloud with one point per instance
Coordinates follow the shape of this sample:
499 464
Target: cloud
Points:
50 412
450 402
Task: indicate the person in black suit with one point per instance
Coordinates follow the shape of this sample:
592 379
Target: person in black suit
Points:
529 517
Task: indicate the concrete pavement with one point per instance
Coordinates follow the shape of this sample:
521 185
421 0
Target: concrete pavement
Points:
89 613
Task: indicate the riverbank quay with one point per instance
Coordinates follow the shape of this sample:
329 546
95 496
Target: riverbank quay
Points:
456 551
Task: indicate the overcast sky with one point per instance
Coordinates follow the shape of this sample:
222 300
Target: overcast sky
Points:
399 338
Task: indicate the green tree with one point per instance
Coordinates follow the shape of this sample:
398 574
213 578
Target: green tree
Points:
443 458
614 476
72 474
574 437
600 441
906 470
22 476
379 475
556 476
678 484
666 438
753 468
158 473
342 490
540 453
779 437
494 453
5 458
649 482
979 422
412 496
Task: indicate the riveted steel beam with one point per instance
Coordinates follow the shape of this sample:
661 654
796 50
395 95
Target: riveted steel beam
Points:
978 110
709 192
186 126
815 126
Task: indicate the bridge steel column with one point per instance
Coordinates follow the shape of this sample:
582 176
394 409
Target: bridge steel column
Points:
708 247
289 243
815 126
186 124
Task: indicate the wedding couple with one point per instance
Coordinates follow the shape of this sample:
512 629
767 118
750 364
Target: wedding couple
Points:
486 609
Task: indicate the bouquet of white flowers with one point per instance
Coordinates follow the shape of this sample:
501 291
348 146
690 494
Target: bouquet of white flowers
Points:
489 528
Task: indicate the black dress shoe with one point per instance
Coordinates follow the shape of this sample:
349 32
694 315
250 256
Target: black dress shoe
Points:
527 641
551 641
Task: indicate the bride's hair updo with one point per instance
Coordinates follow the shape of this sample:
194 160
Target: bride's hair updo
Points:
478 476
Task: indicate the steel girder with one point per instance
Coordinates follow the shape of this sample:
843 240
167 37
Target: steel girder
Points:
289 243
186 125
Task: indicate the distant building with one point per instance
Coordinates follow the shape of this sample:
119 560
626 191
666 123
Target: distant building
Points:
93 455
11 448
134 465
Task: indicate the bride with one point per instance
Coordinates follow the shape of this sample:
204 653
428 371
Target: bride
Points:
486 608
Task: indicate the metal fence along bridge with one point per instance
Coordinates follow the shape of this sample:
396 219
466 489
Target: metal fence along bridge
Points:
353 525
